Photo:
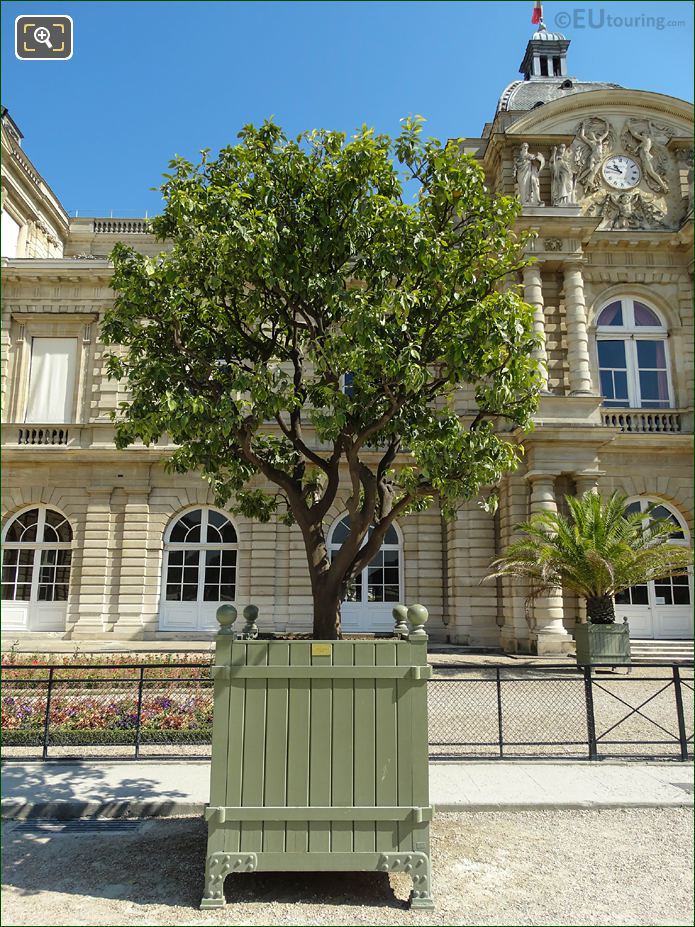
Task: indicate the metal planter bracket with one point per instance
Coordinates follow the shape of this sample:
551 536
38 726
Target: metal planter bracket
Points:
417 866
218 867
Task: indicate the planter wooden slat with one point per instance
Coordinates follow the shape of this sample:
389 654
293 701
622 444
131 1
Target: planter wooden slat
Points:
298 748
404 740
320 747
256 736
364 738
386 750
342 782
276 753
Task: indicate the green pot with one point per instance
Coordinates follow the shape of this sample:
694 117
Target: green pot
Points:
602 644
320 759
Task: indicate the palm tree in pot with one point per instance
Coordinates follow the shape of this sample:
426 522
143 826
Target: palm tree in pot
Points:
596 551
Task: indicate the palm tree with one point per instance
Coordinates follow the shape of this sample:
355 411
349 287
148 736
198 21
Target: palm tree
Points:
595 552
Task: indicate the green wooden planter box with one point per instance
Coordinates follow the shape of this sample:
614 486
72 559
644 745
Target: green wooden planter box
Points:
602 644
319 759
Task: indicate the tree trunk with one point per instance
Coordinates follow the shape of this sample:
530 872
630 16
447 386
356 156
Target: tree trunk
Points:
326 612
600 609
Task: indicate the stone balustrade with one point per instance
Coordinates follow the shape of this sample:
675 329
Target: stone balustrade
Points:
644 421
122 227
43 435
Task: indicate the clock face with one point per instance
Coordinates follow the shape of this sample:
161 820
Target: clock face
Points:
621 172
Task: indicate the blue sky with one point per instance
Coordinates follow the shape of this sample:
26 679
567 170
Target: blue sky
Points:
152 79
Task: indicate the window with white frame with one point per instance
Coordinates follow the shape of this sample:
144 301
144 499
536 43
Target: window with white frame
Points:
52 377
201 558
633 364
36 557
380 581
9 235
672 590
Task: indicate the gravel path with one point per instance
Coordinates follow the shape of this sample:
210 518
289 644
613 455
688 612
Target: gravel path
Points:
540 868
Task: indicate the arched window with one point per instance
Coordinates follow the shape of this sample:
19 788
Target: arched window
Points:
660 608
200 564
379 586
633 356
36 569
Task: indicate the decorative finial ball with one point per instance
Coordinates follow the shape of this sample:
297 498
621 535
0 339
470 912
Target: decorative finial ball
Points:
250 613
417 615
400 613
226 615
400 617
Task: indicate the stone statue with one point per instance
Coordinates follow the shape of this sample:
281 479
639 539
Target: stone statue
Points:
562 177
633 210
686 158
652 160
527 167
594 140
619 210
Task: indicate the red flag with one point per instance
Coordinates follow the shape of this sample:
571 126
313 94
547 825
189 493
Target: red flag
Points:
537 13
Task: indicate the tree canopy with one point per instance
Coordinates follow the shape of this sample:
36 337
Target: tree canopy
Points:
307 323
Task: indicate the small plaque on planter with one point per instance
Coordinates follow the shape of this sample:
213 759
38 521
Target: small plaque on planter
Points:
321 650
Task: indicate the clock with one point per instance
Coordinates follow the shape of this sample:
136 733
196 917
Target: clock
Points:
621 172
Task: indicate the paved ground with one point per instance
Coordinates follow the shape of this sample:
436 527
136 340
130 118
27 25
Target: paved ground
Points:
163 789
537 868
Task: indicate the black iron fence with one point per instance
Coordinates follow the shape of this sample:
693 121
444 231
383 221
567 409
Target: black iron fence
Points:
550 711
475 711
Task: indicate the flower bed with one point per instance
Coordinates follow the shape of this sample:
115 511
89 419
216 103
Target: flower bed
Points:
34 666
33 737
170 717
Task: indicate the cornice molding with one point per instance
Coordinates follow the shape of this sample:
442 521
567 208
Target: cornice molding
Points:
599 101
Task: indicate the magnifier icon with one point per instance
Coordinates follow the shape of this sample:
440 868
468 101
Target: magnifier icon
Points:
43 36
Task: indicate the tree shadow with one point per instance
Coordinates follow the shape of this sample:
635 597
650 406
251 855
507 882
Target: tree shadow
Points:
163 864
43 791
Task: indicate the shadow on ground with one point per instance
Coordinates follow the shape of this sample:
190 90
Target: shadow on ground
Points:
163 864
45 786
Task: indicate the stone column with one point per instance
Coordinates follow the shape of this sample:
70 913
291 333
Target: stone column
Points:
472 603
587 482
137 590
94 566
533 294
577 336
549 631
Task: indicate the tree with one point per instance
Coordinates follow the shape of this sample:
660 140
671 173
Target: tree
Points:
293 264
599 550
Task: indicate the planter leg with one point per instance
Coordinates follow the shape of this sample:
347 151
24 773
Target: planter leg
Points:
421 895
217 868
417 866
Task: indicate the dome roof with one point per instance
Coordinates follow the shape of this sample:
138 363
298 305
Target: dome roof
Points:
542 35
527 94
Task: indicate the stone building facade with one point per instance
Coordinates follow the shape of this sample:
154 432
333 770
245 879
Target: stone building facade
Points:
101 543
